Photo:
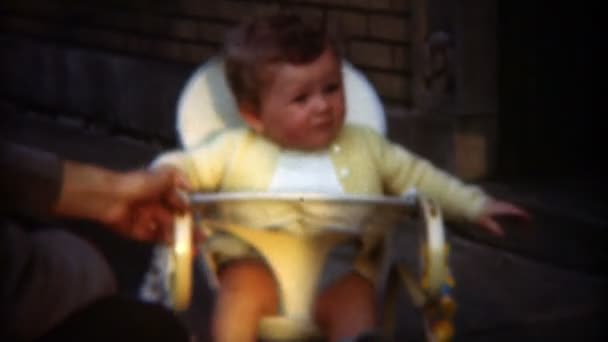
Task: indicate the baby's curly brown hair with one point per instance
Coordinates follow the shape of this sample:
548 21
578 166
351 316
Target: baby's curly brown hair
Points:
261 42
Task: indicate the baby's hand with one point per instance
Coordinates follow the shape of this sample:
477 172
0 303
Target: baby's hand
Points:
495 208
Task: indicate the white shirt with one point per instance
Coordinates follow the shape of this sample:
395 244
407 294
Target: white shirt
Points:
305 172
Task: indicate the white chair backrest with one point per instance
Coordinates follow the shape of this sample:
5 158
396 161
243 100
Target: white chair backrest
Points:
206 104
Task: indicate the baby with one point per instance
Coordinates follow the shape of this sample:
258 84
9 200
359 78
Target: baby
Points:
286 78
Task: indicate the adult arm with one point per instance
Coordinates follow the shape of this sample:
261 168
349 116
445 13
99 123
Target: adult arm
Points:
30 180
138 204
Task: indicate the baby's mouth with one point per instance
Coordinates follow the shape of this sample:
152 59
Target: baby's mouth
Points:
322 122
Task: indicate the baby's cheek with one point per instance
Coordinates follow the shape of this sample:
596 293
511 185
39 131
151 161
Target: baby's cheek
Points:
338 103
297 135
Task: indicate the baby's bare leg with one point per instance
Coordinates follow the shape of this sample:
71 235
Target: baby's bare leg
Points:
248 292
347 308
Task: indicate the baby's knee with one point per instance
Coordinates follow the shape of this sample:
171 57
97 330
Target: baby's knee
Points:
349 295
352 287
252 281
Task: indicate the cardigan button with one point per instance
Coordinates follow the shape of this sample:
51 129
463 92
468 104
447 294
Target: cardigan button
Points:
336 148
344 172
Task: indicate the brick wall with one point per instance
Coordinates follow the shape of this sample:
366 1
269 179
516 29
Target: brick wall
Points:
188 32
121 64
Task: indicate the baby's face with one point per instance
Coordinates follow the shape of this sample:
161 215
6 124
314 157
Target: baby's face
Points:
303 106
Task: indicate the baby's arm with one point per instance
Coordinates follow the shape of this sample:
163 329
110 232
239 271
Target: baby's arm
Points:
181 162
203 166
403 170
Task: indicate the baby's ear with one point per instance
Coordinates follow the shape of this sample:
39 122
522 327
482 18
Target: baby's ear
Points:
252 117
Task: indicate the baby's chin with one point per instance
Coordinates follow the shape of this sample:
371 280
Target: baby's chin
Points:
309 145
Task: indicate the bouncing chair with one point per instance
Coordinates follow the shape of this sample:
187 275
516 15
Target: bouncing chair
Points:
312 225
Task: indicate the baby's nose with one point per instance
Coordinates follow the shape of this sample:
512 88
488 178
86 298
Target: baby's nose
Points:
321 104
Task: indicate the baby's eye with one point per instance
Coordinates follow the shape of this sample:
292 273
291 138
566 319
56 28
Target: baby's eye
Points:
300 98
332 88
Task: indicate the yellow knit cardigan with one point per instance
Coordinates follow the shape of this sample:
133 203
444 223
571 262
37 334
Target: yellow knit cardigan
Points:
241 160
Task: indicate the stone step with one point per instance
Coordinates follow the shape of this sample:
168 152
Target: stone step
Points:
117 90
501 295
73 139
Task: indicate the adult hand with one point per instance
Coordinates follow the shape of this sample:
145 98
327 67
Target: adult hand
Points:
137 204
147 202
